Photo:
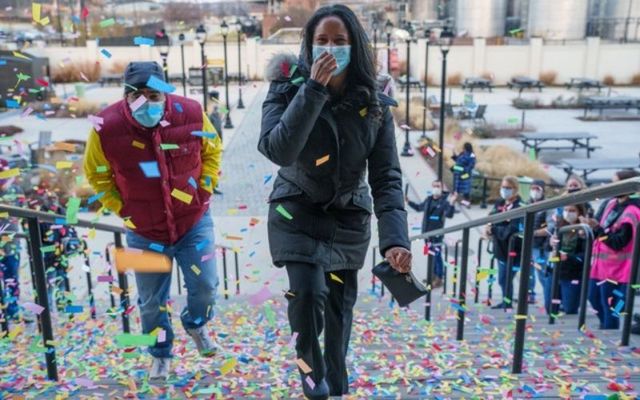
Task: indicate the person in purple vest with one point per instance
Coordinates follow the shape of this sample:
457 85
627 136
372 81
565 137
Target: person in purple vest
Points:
153 159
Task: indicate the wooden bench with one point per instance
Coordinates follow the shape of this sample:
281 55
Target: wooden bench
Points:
584 83
522 83
477 83
602 103
577 140
595 164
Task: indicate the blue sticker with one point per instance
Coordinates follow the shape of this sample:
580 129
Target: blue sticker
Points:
160 85
178 107
434 218
156 247
192 182
95 197
12 103
201 245
105 53
209 135
73 309
142 41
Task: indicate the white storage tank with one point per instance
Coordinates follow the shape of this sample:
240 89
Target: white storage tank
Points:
481 18
622 19
558 19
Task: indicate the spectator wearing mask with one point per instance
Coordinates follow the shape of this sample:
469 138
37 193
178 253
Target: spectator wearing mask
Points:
437 207
575 183
614 234
500 234
569 257
543 225
462 171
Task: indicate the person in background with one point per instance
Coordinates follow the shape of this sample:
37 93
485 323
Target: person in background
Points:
500 234
575 183
614 234
569 259
10 194
462 171
438 206
543 225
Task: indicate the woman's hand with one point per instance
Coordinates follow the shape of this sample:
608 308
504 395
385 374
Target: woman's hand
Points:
322 69
399 258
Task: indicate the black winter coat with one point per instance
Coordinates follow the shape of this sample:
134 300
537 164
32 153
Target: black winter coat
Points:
501 232
435 212
320 207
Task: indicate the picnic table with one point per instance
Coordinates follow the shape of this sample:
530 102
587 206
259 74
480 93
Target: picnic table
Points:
577 140
594 164
616 102
523 82
413 82
584 83
479 83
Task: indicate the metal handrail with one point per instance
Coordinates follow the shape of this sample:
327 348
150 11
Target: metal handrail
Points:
528 214
20 212
582 196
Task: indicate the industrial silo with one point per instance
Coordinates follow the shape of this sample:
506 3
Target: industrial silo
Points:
621 18
558 19
481 18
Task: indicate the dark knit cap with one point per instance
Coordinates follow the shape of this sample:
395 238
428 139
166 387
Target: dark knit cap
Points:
538 182
138 73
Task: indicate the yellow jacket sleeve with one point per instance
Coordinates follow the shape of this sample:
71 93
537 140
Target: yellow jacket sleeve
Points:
99 174
211 154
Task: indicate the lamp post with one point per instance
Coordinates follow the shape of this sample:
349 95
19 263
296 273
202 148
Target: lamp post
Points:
375 41
406 149
224 29
388 28
164 53
444 48
239 32
184 75
427 34
201 37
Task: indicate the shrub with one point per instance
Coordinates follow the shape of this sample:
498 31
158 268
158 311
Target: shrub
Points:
522 103
72 72
57 109
9 130
118 67
609 80
548 77
416 113
454 79
487 75
430 80
635 79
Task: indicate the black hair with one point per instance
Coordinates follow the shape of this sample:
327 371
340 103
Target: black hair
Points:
627 174
468 147
361 74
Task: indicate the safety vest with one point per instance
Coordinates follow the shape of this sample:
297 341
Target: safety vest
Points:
607 263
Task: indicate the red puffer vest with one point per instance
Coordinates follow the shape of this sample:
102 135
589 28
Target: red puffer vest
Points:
148 202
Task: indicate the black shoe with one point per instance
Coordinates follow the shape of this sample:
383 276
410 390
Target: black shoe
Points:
500 306
635 328
319 392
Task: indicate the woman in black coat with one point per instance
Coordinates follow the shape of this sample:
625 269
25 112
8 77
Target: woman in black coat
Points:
326 125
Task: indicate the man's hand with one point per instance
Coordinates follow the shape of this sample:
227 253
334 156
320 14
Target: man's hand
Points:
399 258
322 69
453 197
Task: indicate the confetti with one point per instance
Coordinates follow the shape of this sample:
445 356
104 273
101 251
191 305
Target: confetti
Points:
210 135
10 173
64 164
228 366
33 307
160 85
137 144
138 103
182 196
303 366
280 209
131 340
143 41
105 53
169 146
150 169
260 297
107 22
322 160
141 261
334 277
195 269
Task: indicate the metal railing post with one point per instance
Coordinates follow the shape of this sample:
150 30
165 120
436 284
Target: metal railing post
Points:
454 280
554 307
107 255
179 280
523 304
4 320
224 273
427 299
484 192
491 279
462 296
511 249
586 271
235 257
476 296
124 287
35 243
630 295
445 262
373 265
92 301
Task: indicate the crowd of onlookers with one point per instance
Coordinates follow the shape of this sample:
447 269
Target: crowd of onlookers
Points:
612 227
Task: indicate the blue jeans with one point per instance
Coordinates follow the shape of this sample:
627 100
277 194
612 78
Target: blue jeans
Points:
599 298
502 280
569 295
201 283
9 266
538 256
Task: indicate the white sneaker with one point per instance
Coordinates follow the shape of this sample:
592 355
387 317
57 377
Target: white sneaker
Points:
207 347
160 369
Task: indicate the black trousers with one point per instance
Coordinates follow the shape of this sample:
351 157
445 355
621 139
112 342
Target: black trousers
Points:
318 301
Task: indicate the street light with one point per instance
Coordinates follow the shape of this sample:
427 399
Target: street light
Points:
184 75
239 32
375 41
406 149
427 34
163 46
224 29
444 48
388 28
201 37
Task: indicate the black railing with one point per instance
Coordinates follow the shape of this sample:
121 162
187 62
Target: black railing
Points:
528 213
39 281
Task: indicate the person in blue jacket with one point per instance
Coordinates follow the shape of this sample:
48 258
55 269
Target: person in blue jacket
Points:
462 171
438 206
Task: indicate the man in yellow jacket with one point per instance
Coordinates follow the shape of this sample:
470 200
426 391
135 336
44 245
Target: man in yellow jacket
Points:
154 158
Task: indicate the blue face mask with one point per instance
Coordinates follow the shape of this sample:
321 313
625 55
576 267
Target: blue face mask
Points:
149 114
342 55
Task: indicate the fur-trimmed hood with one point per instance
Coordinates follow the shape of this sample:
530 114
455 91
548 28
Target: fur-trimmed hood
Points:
279 66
